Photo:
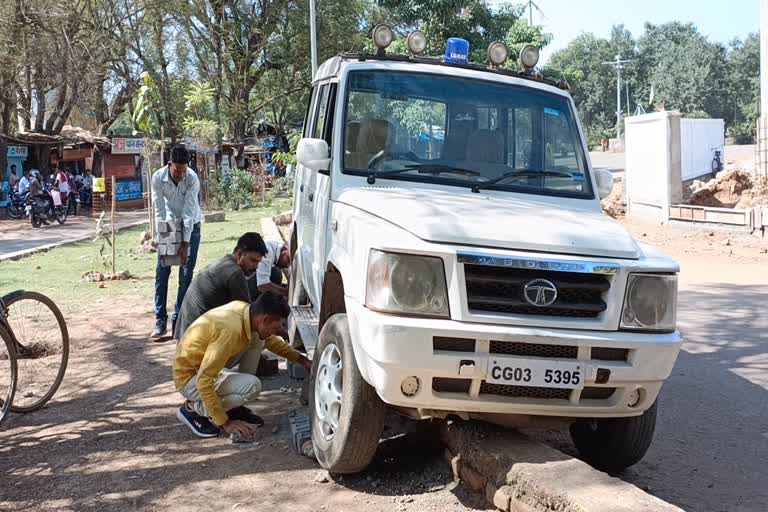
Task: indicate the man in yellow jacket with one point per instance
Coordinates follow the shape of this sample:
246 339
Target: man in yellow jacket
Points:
215 364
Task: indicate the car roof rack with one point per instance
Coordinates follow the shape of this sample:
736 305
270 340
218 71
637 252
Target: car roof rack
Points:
534 76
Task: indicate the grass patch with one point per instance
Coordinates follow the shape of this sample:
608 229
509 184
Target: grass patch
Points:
57 272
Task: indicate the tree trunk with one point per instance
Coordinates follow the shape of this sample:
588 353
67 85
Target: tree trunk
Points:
39 157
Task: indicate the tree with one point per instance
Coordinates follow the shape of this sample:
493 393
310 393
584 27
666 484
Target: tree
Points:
687 72
744 86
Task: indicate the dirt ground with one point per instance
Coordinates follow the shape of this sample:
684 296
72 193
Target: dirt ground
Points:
110 441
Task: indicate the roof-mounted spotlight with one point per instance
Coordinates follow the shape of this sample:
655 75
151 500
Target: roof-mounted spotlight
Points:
382 38
497 54
416 42
529 57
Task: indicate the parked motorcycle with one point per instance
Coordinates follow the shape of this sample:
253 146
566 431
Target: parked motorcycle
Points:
16 205
40 209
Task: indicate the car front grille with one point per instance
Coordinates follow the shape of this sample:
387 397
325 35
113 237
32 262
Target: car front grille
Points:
533 349
500 290
524 391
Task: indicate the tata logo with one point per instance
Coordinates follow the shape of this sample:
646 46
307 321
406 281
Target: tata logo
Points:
540 293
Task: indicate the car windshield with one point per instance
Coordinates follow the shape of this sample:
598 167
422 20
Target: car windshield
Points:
455 131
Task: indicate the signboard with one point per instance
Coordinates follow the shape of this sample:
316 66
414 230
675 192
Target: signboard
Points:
128 190
18 151
99 185
122 146
225 166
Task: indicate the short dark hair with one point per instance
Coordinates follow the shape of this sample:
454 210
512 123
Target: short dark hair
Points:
179 155
272 305
251 242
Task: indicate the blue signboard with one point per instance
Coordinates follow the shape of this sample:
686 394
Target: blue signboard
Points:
128 190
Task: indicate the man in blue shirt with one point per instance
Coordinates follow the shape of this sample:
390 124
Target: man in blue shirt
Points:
175 191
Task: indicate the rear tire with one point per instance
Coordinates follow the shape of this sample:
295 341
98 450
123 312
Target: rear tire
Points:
614 444
359 418
36 222
15 211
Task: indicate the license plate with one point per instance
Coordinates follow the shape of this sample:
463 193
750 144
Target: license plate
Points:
27 209
535 372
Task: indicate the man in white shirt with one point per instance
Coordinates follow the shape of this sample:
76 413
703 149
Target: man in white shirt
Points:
175 191
269 275
24 184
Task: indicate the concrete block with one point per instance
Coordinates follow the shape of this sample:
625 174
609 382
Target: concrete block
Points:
538 477
170 237
215 217
296 371
301 433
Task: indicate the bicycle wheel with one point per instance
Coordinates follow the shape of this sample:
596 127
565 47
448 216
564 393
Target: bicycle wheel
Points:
42 348
8 374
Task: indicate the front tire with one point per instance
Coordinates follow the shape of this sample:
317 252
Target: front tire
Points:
347 414
614 444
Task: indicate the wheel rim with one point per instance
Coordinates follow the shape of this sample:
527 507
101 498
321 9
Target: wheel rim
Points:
328 391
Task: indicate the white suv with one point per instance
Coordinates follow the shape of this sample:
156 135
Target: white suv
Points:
450 258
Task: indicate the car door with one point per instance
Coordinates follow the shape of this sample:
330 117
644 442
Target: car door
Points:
322 189
302 207
311 203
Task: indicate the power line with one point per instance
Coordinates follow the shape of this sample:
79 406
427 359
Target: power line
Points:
618 64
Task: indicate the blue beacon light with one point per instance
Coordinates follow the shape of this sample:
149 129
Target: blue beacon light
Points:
456 51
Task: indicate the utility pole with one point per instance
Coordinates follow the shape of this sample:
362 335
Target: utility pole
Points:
761 148
313 35
531 5
618 64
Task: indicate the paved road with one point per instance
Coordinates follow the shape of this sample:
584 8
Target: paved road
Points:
19 235
711 442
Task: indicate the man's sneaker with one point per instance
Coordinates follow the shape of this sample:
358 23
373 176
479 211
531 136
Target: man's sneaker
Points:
200 425
243 413
160 329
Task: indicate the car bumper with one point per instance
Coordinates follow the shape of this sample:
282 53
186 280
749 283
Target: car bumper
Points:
389 349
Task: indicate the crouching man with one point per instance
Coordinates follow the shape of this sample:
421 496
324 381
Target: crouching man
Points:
215 364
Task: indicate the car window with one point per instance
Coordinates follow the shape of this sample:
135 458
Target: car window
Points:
454 131
309 115
322 108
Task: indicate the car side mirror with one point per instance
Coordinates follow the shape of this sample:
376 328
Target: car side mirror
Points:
313 154
604 179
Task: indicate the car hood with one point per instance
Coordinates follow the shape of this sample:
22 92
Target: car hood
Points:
514 221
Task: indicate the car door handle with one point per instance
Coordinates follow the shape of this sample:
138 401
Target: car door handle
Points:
301 188
311 197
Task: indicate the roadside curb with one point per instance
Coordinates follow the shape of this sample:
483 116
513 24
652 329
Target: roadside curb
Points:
519 474
270 231
44 248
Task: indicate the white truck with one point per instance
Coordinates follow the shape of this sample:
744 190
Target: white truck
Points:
450 258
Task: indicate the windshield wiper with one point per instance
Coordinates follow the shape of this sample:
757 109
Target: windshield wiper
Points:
373 174
517 175
421 168
441 168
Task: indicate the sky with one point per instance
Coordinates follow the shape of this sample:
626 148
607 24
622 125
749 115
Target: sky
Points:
719 20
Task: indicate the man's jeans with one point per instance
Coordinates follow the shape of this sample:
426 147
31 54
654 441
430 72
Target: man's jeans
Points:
185 277
236 385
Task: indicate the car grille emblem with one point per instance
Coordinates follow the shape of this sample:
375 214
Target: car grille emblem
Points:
540 293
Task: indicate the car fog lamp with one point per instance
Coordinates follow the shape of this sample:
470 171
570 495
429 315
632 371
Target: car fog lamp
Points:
497 53
382 37
416 42
410 386
529 57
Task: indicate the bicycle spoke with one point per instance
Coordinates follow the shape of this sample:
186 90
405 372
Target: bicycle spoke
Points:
41 347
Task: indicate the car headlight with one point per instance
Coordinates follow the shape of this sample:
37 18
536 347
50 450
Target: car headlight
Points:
650 303
409 284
